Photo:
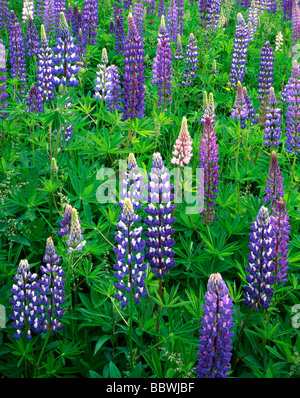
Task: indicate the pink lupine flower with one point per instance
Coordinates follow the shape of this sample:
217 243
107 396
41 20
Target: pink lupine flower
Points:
183 146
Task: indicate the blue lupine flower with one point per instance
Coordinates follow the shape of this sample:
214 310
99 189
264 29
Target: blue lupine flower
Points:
272 121
240 50
159 234
132 184
261 262
130 267
52 289
215 341
280 221
274 188
66 57
25 302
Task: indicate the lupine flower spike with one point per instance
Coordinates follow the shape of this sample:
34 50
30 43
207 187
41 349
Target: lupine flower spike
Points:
132 184
265 79
215 341
130 267
162 68
261 262
32 39
133 77
191 62
240 108
66 57
209 157
274 188
160 242
280 221
90 22
172 25
3 93
182 153
272 121
44 68
179 52
208 108
292 94
17 51
25 302
240 50
52 289
75 241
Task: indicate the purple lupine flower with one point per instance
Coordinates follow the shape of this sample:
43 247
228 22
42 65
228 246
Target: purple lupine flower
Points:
208 108
295 23
114 94
240 50
280 221
209 157
138 16
162 68
81 49
191 62
293 111
253 16
160 220
272 6
65 58
261 261
133 77
179 51
127 4
90 22
251 111
161 8
75 20
243 3
240 108
52 289
132 184
34 100
180 8
3 77
25 302
172 20
215 341
287 9
130 267
4 14
32 39
44 68
119 35
151 8
274 188
59 6
265 79
49 15
209 14
75 241
17 51
111 26
66 222
69 14
272 121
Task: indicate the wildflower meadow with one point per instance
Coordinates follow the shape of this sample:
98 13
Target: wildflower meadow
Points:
149 189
